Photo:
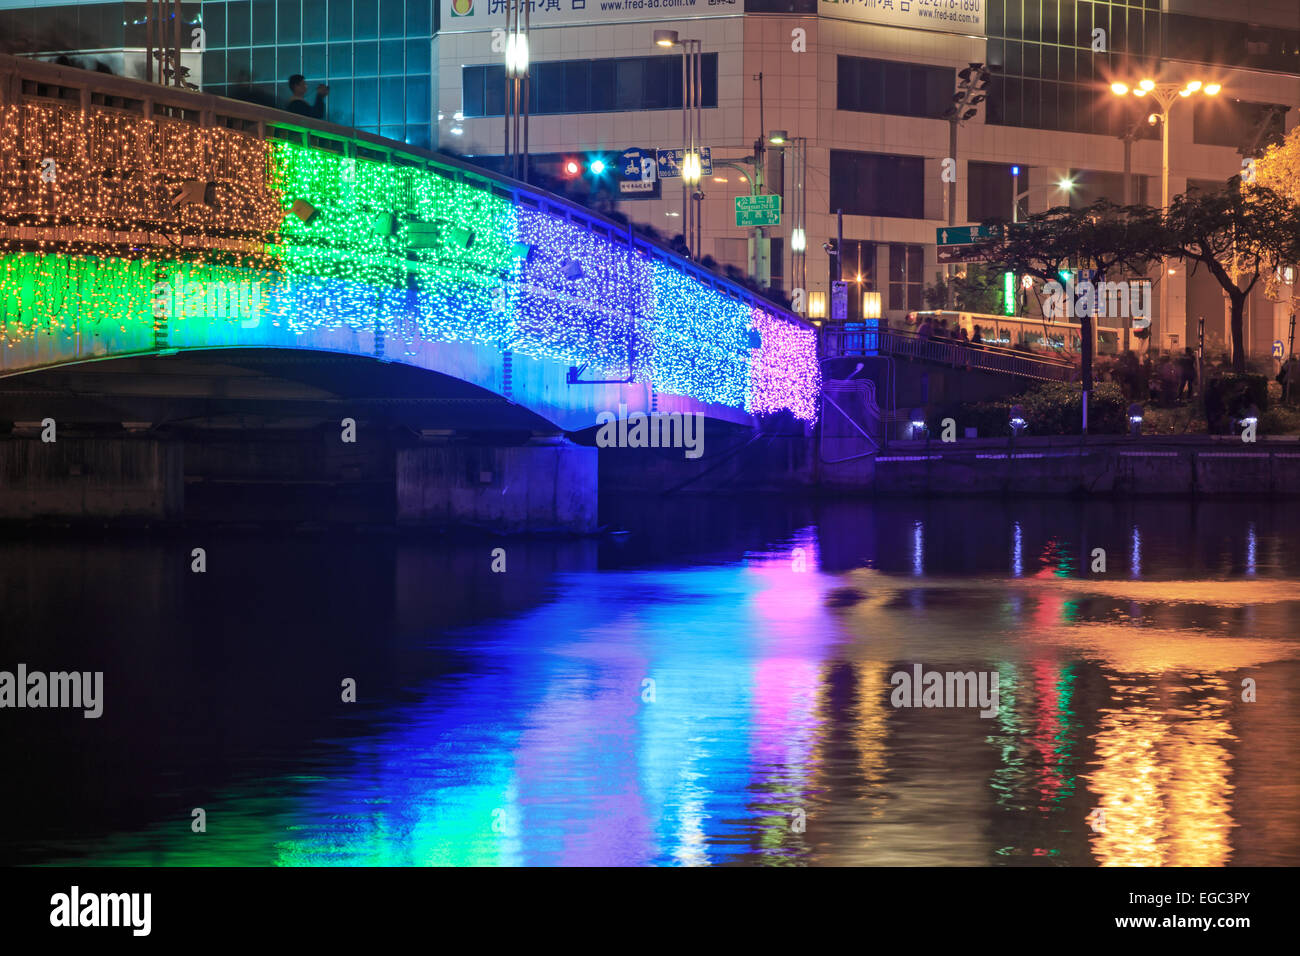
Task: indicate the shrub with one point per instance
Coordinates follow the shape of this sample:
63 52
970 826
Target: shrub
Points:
1057 409
1054 408
1279 421
990 419
1230 394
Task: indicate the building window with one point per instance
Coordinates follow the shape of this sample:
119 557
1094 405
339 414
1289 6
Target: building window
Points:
899 89
375 57
627 84
905 267
859 272
876 184
989 187
1248 126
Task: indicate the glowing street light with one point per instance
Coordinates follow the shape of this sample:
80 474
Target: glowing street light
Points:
692 132
1166 94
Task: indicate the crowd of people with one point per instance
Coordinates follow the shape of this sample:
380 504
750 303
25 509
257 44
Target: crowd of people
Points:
942 331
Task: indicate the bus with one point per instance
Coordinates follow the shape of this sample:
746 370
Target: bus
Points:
1006 331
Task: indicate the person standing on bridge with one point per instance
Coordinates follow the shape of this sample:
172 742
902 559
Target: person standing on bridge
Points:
299 105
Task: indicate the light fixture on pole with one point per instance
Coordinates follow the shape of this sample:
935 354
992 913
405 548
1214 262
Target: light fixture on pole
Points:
1065 184
972 83
692 76
797 146
1165 95
517 89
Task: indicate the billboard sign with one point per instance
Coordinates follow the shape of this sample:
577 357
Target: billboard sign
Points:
950 16
459 16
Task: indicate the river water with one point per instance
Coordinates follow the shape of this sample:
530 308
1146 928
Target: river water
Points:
714 686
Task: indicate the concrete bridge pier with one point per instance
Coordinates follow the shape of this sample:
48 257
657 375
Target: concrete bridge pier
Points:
547 484
91 478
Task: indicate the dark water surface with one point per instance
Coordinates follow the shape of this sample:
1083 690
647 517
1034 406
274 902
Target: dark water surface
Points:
712 687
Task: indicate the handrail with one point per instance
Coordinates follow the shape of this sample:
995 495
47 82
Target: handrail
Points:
840 342
267 123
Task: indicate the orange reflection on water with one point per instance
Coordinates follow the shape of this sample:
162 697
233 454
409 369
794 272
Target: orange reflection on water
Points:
1163 779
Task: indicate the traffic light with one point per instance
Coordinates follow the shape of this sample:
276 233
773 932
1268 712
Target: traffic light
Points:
594 165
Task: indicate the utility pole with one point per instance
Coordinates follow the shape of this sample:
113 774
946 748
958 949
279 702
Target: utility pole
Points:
972 82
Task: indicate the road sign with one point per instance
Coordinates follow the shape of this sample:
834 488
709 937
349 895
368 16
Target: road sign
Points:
670 162
965 235
761 210
967 253
1278 349
839 301
637 170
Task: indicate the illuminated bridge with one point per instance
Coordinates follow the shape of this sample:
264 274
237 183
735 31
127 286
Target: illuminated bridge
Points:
170 260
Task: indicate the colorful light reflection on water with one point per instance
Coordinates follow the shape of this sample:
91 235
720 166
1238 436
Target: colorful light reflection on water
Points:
736 710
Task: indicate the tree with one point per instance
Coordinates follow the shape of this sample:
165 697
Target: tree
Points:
1101 237
1279 168
978 289
1239 234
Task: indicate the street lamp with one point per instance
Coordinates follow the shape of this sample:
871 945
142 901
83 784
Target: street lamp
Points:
517 89
692 82
1065 184
798 147
1165 95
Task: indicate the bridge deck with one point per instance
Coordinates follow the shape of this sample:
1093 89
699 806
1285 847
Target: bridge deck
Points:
141 219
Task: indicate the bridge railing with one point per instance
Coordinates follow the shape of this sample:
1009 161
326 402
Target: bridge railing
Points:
841 341
25 79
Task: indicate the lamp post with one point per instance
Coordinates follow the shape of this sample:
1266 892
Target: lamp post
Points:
1165 95
798 149
517 88
692 76
1065 184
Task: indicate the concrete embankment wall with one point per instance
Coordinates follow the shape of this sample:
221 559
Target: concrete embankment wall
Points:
1100 466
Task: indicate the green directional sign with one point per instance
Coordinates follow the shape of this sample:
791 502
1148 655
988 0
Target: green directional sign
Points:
965 235
764 210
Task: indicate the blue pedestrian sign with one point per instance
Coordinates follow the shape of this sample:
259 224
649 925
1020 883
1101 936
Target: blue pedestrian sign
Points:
637 170
1278 349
